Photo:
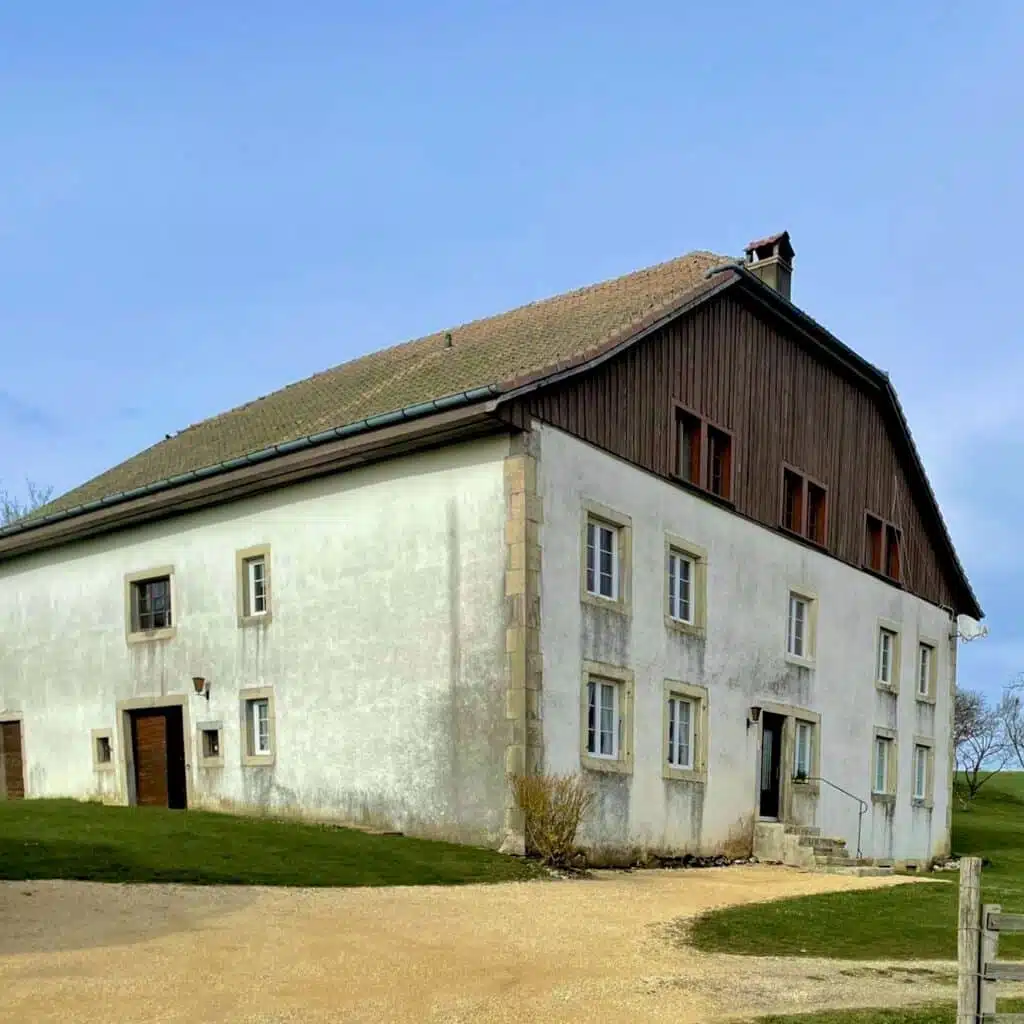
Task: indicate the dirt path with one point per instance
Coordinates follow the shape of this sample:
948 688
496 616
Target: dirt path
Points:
606 949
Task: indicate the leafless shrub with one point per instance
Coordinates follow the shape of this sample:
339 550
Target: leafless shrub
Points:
554 806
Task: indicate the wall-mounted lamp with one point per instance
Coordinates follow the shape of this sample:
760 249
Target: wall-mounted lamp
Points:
202 687
754 717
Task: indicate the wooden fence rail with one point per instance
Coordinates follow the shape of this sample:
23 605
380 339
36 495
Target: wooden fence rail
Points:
978 930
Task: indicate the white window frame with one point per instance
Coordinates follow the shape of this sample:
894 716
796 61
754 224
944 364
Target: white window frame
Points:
676 599
597 689
676 703
890 630
678 550
596 531
799 596
621 679
926 695
801 728
888 738
920 772
925 745
255 752
796 626
256 597
674 692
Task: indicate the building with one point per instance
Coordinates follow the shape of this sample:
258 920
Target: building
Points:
666 530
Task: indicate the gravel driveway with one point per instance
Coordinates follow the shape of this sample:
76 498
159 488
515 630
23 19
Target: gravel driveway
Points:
610 949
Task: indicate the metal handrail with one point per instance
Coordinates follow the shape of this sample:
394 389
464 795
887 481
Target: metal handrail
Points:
860 813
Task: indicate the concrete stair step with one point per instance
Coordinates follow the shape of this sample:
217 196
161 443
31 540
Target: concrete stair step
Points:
822 843
801 830
837 860
857 870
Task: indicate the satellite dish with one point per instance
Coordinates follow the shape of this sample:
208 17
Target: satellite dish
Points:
968 629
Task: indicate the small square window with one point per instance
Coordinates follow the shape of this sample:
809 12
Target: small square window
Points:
887 654
151 604
211 743
602 560
803 752
104 754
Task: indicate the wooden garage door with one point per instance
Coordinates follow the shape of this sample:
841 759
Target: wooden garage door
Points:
151 759
13 765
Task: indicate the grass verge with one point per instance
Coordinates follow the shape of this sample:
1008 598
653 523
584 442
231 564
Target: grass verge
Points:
915 922
67 839
944 1013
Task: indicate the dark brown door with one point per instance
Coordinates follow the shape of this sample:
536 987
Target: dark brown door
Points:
158 747
771 764
13 765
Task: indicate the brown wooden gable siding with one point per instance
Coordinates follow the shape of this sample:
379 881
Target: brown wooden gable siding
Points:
782 404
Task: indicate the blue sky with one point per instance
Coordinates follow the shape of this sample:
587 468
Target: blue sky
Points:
201 203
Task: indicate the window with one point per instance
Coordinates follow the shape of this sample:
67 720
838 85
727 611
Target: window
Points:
103 753
684 732
887 657
882 547
151 604
602 560
703 454
803 750
253 570
603 718
925 661
803 506
211 743
681 719
681 580
719 463
882 782
688 428
258 747
797 632
606 711
102 749
921 757
605 557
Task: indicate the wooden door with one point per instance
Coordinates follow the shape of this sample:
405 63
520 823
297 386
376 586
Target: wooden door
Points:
149 746
12 769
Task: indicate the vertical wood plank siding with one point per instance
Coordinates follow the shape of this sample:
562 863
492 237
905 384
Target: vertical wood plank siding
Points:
781 403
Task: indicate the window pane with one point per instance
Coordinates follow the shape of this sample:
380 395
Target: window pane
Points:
606 541
591 718
920 771
673 731
591 559
673 587
881 765
924 671
685 587
684 733
608 719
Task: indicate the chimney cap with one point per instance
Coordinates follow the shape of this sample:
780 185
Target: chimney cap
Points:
773 245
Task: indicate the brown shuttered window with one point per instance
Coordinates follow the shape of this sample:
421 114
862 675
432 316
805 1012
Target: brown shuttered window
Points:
873 543
815 513
804 505
883 546
688 431
719 463
792 501
703 454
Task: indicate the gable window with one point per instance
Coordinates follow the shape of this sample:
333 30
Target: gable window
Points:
883 543
884 774
149 598
703 454
888 657
803 750
681 579
800 626
602 560
803 506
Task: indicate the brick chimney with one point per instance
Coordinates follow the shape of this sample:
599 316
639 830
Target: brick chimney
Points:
771 259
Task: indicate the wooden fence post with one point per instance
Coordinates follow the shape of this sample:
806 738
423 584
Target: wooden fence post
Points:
968 942
989 952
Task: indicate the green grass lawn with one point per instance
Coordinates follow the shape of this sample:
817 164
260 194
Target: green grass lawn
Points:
944 1014
68 839
904 922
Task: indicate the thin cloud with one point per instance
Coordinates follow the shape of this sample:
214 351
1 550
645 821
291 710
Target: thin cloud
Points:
17 414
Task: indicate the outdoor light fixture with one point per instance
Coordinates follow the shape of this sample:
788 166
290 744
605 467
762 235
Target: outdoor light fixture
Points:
202 687
755 716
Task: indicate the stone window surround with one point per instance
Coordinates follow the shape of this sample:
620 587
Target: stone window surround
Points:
149 635
699 584
94 737
253 693
623 524
891 626
892 782
933 675
793 713
811 627
242 557
201 758
928 800
623 764
699 695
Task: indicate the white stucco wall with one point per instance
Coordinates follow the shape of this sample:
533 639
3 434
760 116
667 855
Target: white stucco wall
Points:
741 661
385 650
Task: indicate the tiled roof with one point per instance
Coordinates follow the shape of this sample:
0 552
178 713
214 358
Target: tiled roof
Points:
494 351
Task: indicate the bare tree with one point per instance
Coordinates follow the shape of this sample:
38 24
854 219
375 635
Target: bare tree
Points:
13 508
1011 714
980 741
